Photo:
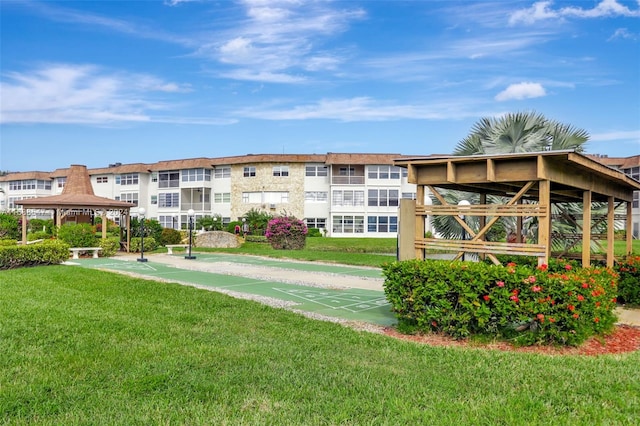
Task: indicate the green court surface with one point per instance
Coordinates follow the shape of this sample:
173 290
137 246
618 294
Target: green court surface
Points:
350 304
300 266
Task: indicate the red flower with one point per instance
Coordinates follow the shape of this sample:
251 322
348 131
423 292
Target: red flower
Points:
551 319
532 279
571 307
486 297
515 298
540 317
580 297
596 319
500 283
543 267
567 267
536 289
614 300
585 285
576 316
511 264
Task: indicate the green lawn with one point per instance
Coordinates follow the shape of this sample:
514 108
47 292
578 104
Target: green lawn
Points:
80 346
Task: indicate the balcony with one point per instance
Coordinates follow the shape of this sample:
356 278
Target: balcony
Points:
347 180
198 207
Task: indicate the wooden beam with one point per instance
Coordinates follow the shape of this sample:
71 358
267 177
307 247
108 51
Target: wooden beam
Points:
24 226
491 171
104 224
586 229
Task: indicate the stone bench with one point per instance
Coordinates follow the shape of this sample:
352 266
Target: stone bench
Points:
170 247
77 250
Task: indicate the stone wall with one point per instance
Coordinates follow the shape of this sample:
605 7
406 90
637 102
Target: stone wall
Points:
217 239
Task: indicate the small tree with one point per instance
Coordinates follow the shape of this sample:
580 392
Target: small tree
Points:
9 226
286 233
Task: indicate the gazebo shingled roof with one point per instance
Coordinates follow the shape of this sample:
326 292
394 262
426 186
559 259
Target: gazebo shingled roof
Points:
77 195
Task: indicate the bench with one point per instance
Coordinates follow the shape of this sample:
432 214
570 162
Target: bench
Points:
170 247
76 250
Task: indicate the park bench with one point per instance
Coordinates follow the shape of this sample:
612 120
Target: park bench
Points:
170 247
77 250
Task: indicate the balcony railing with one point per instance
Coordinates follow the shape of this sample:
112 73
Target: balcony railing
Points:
198 207
347 180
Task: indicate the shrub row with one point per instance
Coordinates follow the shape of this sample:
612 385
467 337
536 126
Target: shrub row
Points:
629 281
563 305
149 244
48 252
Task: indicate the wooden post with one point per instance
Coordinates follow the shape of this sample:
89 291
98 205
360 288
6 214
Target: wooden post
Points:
629 229
419 232
610 232
104 224
544 225
586 229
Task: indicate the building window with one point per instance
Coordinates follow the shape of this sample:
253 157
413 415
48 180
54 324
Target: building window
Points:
15 185
169 199
347 171
383 197
281 171
12 202
348 224
168 221
169 179
127 179
265 197
221 197
43 184
316 196
130 197
636 199
102 179
384 172
154 199
315 171
409 195
316 222
222 172
196 175
348 198
154 177
61 182
382 224
249 171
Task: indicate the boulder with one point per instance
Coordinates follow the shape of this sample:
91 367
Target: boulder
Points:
216 239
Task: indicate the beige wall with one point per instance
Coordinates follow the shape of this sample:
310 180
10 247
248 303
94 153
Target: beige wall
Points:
265 181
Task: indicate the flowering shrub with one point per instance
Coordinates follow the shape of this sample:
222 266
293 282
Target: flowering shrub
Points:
286 233
629 283
529 305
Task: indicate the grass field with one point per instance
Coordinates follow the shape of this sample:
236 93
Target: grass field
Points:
80 346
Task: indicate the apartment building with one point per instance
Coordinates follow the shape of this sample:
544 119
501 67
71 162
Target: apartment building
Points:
341 194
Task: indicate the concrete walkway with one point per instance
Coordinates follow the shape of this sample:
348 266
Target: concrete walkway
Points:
288 280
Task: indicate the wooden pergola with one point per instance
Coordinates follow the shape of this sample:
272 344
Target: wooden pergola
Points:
531 183
78 204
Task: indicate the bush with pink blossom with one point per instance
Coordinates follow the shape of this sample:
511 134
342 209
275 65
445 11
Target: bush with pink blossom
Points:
286 233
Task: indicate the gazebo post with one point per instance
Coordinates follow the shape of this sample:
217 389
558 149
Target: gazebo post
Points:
544 223
586 229
629 247
610 231
24 226
419 232
104 224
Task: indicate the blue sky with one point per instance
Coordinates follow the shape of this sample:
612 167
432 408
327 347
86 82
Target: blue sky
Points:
97 82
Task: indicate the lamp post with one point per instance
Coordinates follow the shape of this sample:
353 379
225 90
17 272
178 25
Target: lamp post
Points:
141 212
463 217
245 227
215 223
191 213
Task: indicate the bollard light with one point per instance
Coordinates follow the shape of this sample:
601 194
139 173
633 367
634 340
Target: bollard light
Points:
190 213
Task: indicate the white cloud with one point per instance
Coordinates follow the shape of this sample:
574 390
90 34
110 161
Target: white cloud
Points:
64 93
524 90
543 10
359 109
617 136
623 33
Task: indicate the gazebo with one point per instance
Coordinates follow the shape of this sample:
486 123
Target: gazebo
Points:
78 204
530 185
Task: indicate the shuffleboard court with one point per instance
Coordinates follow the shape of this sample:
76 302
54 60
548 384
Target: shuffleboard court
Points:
350 304
300 266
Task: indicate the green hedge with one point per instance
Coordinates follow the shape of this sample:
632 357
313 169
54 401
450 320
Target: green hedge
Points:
149 244
48 252
629 281
564 305
109 246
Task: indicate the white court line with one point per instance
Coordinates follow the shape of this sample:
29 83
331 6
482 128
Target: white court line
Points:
345 307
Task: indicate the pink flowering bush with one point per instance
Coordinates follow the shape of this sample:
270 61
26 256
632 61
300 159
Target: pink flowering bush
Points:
560 305
286 233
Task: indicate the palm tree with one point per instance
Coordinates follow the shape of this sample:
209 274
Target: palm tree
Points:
520 132
510 133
